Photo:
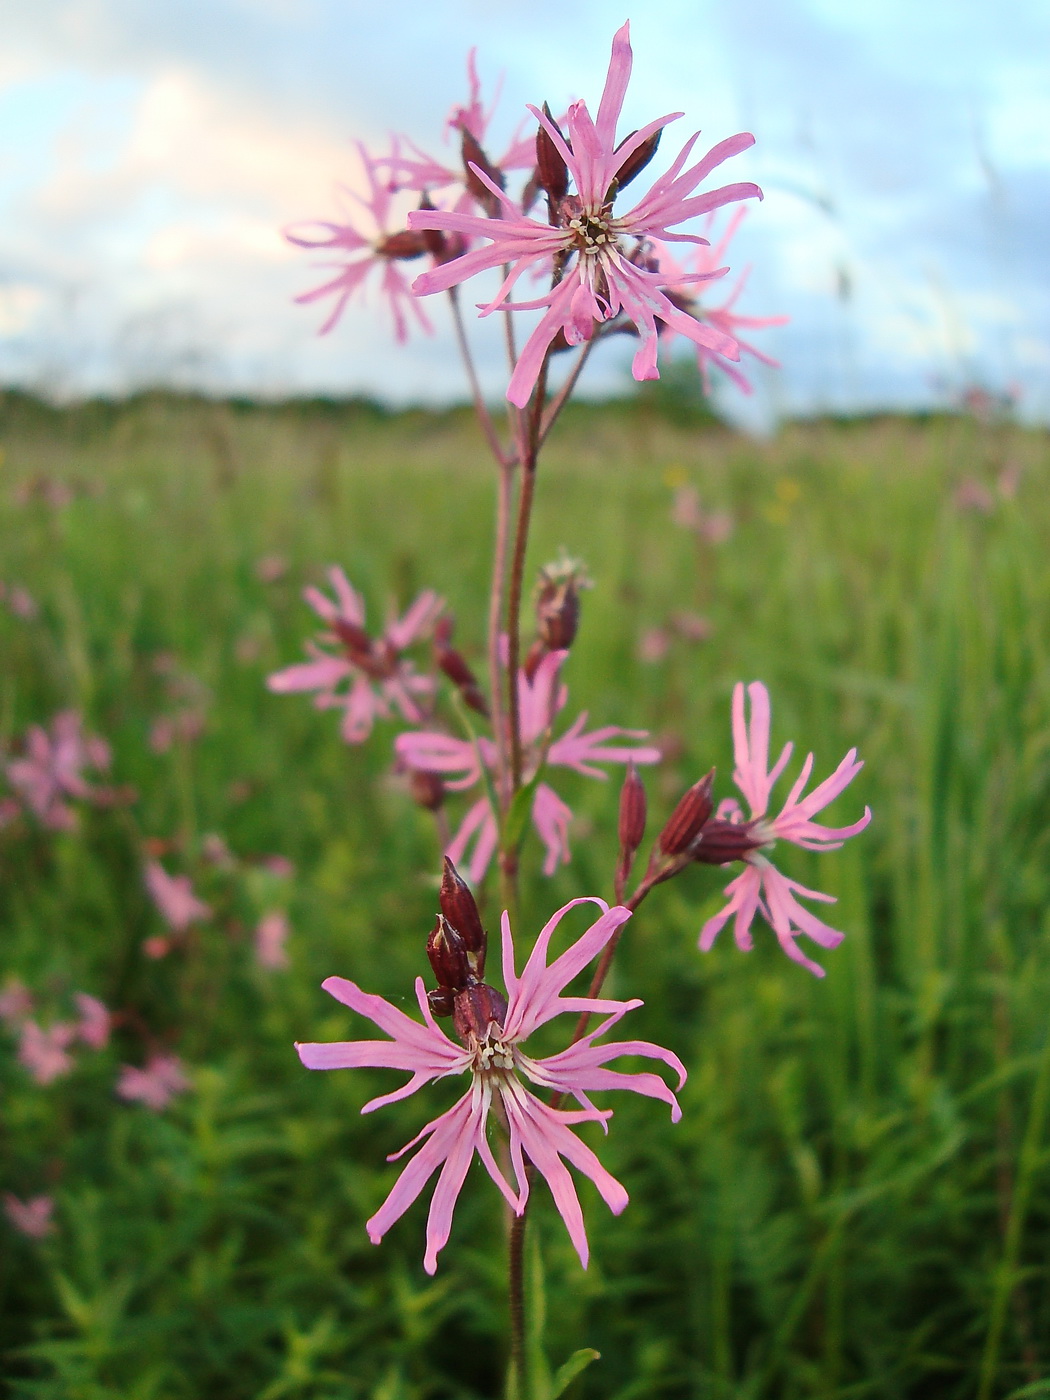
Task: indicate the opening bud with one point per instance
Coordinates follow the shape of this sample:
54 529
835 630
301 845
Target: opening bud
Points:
558 602
427 789
449 958
683 825
442 1000
403 246
459 909
476 1009
720 842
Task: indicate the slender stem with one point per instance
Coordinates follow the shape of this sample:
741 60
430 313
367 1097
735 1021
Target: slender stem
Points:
528 452
516 1279
504 499
508 329
480 408
561 398
444 834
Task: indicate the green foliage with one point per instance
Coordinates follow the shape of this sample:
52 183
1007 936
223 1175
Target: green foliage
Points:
856 1202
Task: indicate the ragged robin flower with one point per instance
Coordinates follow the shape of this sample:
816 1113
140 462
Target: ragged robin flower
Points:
493 1031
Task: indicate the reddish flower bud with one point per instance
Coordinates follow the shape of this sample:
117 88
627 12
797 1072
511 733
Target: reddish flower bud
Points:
476 1009
428 791
720 842
688 817
447 951
454 665
354 638
552 174
636 161
558 603
474 155
403 246
632 811
459 908
442 1000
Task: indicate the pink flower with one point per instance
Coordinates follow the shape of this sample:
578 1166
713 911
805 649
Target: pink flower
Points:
493 1031
539 701
31 1218
94 1024
173 895
51 769
603 276
271 933
705 261
762 887
379 675
360 253
44 1052
156 1085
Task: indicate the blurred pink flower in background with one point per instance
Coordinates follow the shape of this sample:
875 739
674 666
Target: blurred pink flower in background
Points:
603 277
271 568
94 1024
182 727
173 895
706 260
51 769
379 676
156 1085
31 1218
360 253
493 1030
761 887
714 527
44 1053
539 702
271 933
19 600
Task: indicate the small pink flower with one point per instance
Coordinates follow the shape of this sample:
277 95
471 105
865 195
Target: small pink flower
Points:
607 269
761 887
492 1054
378 674
173 895
539 702
182 727
44 1053
271 934
360 253
95 1020
156 1085
31 1218
52 769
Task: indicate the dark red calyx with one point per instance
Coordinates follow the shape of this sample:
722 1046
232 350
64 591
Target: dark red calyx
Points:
636 161
474 155
442 1000
403 246
632 811
720 842
684 823
447 951
476 1009
552 174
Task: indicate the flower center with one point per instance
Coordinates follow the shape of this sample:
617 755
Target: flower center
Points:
492 1055
591 233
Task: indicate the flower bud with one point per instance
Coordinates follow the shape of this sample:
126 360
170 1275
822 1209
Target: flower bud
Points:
448 956
459 908
552 174
356 640
453 664
474 155
632 811
442 1000
720 842
427 789
635 162
688 817
476 1009
558 603
403 246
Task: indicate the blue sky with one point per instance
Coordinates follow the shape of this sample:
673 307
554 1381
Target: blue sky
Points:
150 153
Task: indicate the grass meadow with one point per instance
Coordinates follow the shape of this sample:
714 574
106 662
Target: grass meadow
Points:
857 1200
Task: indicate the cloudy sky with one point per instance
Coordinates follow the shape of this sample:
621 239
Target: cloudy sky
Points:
151 151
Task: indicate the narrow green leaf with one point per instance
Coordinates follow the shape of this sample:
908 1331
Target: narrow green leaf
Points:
569 1370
